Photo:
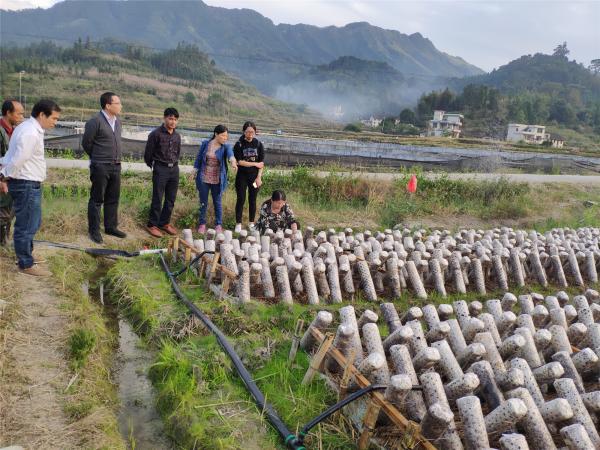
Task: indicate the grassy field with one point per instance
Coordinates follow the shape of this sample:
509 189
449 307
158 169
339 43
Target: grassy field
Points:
202 401
145 93
342 201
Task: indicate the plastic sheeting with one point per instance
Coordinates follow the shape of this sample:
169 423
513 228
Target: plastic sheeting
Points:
294 150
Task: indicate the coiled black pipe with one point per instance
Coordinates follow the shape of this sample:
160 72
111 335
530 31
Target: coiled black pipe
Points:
291 440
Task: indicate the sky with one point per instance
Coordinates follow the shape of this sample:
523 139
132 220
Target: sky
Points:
485 33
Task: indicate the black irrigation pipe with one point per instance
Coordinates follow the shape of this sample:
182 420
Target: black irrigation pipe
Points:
108 252
329 411
192 262
291 440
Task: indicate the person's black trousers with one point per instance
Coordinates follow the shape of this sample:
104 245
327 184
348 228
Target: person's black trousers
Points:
165 182
106 188
243 182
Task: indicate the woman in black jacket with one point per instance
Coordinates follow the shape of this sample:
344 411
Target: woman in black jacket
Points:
250 154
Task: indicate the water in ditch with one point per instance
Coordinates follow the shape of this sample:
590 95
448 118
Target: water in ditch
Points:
140 424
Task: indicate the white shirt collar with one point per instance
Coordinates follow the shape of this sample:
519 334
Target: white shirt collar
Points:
108 117
37 125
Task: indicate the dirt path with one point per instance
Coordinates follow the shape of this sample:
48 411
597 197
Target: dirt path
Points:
33 363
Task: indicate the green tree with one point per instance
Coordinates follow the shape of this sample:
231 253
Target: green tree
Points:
353 127
562 112
561 50
189 98
595 66
408 116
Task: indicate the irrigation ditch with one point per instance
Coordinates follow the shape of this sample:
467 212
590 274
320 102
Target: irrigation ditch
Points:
139 423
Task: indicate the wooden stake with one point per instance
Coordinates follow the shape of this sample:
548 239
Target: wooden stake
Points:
295 341
346 375
318 358
188 255
390 410
368 424
213 267
225 286
175 249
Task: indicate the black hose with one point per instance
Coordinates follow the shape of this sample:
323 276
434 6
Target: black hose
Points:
329 411
192 262
107 252
291 440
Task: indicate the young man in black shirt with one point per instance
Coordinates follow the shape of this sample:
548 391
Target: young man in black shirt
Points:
250 154
162 156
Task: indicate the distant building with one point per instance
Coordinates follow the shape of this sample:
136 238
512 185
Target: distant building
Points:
531 134
371 122
338 112
557 141
445 124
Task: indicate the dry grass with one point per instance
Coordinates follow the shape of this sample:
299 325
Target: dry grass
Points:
34 371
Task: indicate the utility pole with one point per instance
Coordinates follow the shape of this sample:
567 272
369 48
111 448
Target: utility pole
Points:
21 73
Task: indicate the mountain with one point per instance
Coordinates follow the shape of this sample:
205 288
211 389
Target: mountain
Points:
242 41
348 87
182 77
540 73
540 89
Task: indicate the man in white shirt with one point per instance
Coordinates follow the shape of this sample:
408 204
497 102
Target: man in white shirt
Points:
22 174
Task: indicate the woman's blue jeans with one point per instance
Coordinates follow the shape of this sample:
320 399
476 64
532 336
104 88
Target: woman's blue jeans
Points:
215 191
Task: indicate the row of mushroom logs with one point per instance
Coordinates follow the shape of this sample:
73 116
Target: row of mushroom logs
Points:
512 373
336 266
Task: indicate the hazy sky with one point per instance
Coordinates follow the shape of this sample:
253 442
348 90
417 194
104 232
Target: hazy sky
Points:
485 33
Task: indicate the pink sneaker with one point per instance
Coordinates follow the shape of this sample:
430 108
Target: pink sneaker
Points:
202 228
219 229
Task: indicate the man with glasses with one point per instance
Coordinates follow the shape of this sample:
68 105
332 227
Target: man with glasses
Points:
22 174
102 142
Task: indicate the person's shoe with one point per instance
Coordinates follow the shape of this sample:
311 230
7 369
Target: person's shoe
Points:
154 231
251 226
202 228
116 232
238 228
169 229
36 259
219 229
96 237
36 271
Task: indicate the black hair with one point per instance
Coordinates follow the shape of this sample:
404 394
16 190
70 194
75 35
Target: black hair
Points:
171 112
278 195
219 129
106 99
8 106
249 124
46 107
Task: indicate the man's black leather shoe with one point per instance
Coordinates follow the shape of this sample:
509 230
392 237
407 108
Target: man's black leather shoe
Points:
96 237
116 232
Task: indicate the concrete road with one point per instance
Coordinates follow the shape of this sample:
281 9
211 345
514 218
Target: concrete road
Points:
523 177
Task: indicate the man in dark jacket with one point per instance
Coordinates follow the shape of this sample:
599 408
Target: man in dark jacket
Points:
102 142
12 115
162 156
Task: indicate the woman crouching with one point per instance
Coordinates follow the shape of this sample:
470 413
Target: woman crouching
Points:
276 214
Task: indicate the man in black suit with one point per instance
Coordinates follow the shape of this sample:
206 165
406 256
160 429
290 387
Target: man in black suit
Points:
102 142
